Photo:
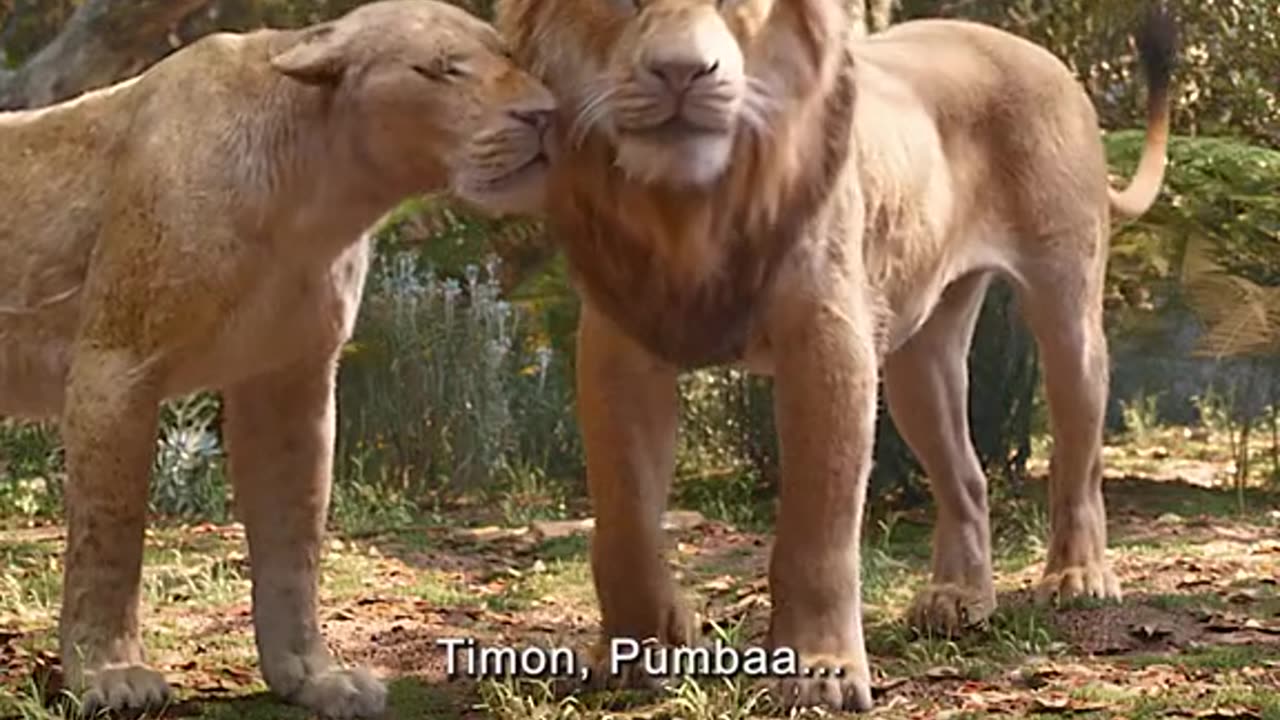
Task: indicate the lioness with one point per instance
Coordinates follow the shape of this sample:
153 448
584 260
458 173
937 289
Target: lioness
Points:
745 181
201 226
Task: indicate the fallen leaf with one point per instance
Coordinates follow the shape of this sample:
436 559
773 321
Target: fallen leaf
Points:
718 585
1243 597
1147 631
942 672
1220 713
884 685
1059 703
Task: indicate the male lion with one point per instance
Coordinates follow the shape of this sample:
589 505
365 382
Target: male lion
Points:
744 181
201 226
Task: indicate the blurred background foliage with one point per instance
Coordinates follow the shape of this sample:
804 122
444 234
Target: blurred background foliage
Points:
459 382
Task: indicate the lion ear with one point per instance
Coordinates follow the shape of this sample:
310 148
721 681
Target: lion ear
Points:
318 58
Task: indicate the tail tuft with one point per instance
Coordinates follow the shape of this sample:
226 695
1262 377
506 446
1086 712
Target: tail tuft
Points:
1157 41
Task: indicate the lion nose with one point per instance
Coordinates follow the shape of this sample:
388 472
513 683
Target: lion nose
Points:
679 74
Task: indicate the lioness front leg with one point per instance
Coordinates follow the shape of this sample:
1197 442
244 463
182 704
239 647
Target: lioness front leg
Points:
927 388
279 431
108 431
825 393
627 406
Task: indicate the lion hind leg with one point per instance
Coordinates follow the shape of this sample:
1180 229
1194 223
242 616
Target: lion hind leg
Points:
1062 302
927 390
108 429
280 431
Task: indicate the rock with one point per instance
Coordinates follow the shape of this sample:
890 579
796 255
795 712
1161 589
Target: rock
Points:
555 529
682 520
674 520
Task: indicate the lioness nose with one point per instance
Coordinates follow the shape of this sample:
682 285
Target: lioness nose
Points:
679 73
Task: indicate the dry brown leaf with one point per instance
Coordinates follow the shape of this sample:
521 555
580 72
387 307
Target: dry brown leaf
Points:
1062 703
1231 712
716 585
942 672
1149 631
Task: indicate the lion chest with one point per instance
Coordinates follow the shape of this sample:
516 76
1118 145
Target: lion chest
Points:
689 318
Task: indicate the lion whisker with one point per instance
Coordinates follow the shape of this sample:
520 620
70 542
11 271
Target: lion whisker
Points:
591 111
759 107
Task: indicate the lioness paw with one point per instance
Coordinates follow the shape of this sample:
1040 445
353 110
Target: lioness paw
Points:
1093 580
343 694
316 683
829 683
949 609
124 688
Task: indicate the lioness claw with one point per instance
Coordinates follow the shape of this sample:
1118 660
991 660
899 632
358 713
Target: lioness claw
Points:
949 609
124 688
1094 580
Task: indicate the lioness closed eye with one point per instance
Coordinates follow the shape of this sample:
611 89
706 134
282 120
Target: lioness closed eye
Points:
200 226
746 181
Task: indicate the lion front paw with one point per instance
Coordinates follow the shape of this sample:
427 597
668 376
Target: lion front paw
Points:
327 690
830 683
124 688
621 662
949 608
1092 580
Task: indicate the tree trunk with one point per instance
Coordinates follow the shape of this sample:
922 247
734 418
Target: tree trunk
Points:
103 42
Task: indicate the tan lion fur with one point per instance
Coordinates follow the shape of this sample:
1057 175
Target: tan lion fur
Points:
202 226
748 181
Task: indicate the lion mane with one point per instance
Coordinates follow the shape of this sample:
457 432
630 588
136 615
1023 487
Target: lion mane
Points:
748 181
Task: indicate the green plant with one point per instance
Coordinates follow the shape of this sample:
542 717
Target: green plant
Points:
1142 415
447 387
31 470
189 477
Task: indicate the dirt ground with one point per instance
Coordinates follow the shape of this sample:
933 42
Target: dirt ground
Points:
1197 635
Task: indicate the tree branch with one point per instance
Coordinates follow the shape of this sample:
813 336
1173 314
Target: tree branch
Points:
103 42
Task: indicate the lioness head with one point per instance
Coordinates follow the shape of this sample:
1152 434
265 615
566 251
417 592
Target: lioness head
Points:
674 84
430 92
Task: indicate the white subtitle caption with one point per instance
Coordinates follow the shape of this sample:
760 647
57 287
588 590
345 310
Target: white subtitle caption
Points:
467 658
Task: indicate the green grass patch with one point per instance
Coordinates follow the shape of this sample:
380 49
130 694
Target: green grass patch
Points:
1208 657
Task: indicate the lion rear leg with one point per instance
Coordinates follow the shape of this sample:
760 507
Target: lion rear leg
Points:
280 437
1062 302
628 411
108 429
927 389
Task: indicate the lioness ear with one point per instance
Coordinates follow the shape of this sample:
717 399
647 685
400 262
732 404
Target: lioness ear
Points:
318 58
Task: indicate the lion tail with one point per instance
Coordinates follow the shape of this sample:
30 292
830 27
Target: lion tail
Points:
1156 41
